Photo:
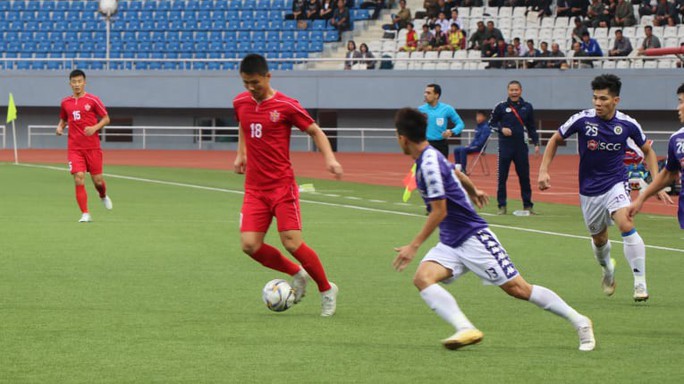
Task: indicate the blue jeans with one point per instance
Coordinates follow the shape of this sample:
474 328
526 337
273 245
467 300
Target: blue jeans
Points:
461 155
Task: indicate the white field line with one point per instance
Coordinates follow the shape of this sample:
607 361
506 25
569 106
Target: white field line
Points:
378 210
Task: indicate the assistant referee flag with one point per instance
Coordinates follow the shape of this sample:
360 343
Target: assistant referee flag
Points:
11 109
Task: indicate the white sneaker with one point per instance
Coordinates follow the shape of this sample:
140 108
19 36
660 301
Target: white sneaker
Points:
586 336
608 280
107 203
329 301
85 218
463 338
640 292
299 281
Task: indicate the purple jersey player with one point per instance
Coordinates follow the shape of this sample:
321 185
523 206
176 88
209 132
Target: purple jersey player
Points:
465 242
602 134
673 166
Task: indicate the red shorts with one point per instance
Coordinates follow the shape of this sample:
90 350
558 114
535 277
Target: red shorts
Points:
260 206
82 160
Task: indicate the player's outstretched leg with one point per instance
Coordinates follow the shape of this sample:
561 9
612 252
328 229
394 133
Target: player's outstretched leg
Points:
445 305
602 255
313 266
82 200
548 300
635 253
329 300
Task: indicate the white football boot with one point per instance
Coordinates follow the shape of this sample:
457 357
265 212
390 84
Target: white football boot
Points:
299 281
463 338
329 301
85 218
107 202
640 292
608 279
586 336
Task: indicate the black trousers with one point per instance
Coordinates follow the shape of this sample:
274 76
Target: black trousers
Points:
441 145
519 155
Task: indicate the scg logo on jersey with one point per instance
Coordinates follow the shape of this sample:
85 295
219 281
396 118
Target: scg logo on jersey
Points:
594 145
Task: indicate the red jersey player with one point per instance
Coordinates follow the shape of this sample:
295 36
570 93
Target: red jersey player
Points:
81 112
266 117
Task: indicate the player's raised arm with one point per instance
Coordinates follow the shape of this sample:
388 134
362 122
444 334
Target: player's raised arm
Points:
240 163
550 152
651 161
323 145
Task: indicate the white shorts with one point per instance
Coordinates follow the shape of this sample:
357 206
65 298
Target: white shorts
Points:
597 210
481 253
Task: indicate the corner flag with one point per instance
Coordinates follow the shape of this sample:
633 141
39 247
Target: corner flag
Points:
11 109
409 183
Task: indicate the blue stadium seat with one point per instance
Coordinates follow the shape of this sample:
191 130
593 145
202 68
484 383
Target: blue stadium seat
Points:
192 5
75 5
246 16
134 5
178 5
23 65
187 46
273 36
214 66
316 46
258 47
5 6
319 25
59 26
43 46
176 25
204 25
27 15
234 4
207 4
164 6
302 36
287 36
190 17
146 15
204 15
263 4
230 37
215 35
149 6
260 25
170 65
175 15
18 5
172 46
116 46
287 46
272 46
289 25
249 5
219 5
201 46
331 36
286 66
360 14
171 55
219 25
258 36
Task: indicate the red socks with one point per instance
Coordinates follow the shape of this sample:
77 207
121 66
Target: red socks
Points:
102 189
82 198
312 265
271 257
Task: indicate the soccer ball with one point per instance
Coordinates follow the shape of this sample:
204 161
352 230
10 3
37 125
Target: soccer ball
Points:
278 295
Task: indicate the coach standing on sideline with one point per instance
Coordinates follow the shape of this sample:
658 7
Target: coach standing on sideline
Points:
438 116
513 119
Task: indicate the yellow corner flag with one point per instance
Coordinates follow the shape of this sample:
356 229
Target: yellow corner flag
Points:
11 109
409 183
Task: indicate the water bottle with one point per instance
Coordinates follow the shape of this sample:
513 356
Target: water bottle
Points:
522 212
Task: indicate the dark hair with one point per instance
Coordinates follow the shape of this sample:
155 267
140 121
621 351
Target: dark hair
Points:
352 42
482 112
530 41
411 24
607 81
514 82
411 123
680 89
76 73
363 45
436 88
254 64
585 33
618 30
648 27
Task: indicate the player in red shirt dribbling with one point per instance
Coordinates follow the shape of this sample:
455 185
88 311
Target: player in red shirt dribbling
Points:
266 117
86 115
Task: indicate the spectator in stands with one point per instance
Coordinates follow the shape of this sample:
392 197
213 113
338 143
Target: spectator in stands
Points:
411 39
477 39
298 7
556 53
481 135
578 30
596 13
489 49
533 53
431 9
375 5
327 10
646 8
340 19
313 9
455 19
424 39
439 39
443 7
578 8
351 55
590 46
543 52
666 13
512 54
542 7
455 39
624 15
472 3
519 48
622 46
578 52
563 8
493 32
442 22
366 54
650 41
400 19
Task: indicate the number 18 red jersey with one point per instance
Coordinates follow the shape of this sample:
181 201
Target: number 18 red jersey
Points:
266 129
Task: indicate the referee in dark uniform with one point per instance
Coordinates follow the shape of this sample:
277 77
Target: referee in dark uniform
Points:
513 119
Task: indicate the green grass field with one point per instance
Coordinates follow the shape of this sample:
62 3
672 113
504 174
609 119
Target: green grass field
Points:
158 291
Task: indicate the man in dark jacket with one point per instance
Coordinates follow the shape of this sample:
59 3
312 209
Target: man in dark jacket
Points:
481 135
513 119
